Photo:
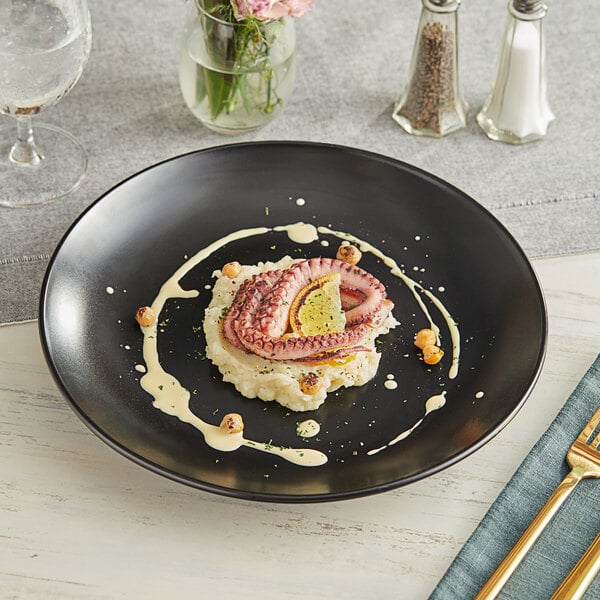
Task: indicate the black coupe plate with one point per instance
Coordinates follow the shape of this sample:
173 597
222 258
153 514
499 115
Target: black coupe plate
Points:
136 235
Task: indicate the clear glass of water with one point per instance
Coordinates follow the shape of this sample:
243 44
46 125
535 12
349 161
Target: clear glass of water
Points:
44 47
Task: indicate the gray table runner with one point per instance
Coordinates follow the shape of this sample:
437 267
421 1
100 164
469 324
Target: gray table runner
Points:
128 112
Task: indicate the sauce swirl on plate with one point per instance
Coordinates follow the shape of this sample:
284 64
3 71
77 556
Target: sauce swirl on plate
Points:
172 398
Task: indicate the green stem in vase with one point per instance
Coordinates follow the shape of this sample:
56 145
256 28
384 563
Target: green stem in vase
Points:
219 85
231 102
269 108
242 42
216 88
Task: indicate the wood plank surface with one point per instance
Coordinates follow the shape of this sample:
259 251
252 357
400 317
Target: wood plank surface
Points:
77 520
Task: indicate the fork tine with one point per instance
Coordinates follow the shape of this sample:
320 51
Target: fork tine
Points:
587 431
596 442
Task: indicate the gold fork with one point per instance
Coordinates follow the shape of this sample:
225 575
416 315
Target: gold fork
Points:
584 459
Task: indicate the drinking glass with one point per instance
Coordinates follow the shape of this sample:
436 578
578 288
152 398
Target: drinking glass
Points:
44 46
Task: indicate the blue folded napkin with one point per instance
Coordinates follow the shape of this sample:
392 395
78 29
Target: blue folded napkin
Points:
566 537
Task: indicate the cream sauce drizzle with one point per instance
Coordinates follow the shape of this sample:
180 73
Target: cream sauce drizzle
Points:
173 399
415 288
433 403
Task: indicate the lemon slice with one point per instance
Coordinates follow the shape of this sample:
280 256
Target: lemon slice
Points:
335 362
317 309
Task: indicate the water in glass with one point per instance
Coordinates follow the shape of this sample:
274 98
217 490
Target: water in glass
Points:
44 47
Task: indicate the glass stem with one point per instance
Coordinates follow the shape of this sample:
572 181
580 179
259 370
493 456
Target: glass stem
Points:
24 151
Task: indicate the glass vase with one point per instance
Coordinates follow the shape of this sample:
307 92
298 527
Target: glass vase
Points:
235 76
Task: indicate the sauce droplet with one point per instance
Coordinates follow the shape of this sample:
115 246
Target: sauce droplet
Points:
301 233
308 428
390 383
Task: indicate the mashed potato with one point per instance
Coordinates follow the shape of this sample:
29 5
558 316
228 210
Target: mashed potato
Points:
256 377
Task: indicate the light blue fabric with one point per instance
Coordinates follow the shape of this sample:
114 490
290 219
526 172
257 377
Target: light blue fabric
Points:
567 536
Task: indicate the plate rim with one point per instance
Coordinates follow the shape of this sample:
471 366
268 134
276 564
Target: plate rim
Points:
276 497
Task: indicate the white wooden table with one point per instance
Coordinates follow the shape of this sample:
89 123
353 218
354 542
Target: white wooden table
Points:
77 520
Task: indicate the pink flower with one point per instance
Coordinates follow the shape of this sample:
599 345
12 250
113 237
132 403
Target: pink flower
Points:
267 10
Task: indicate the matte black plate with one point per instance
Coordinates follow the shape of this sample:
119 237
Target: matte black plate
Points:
136 235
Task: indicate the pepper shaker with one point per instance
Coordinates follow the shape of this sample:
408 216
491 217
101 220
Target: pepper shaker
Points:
517 110
432 103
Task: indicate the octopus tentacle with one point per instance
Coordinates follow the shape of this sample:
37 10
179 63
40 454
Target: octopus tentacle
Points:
249 291
259 314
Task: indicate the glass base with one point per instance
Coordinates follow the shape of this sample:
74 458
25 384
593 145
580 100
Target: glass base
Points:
503 135
238 122
231 130
60 171
448 123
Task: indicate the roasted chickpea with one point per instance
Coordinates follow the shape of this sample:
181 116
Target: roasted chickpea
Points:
232 423
432 354
425 337
232 269
349 254
310 383
145 316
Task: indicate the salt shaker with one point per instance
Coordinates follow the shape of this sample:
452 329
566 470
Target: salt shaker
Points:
432 103
517 109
